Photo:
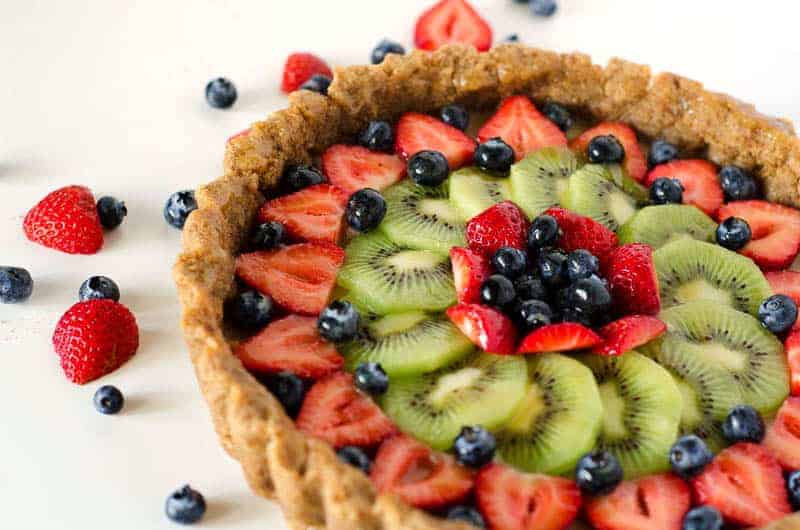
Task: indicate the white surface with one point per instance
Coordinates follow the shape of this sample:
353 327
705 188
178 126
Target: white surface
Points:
112 97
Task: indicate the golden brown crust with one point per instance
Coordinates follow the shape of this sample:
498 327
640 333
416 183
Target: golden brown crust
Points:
314 489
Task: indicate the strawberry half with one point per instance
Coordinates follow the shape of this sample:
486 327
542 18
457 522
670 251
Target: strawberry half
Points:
783 436
701 186
66 220
452 21
657 502
487 328
632 280
420 132
502 225
628 333
315 213
776 232
580 232
240 134
335 411
744 482
353 168
788 283
522 126
635 162
298 277
291 344
792 347
299 68
512 500
470 270
420 476
565 336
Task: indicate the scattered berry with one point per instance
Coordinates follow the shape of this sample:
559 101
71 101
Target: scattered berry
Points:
793 488
661 152
108 400
605 149
97 288
665 190
179 205
510 262
598 473
743 424
581 264
66 220
455 116
299 68
220 93
502 225
533 314
544 232
339 321
452 21
371 378
495 156
365 210
428 168
250 310
778 313
268 236
384 48
467 514
356 457
737 184
543 8
317 83
378 136
689 456
702 518
733 233
552 267
111 212
474 447
185 506
296 178
498 291
530 287
511 38
16 285
287 388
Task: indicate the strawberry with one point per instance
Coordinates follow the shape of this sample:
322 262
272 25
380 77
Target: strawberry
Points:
299 277
335 411
315 213
578 231
352 168
776 232
470 270
783 436
788 283
420 476
628 333
512 500
66 220
564 336
420 132
240 134
94 338
299 68
632 279
744 482
792 347
635 162
522 127
291 344
701 186
487 328
452 21
502 225
657 502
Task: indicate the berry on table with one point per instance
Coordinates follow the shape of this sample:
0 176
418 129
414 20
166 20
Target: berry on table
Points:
530 287
377 136
544 232
318 83
498 291
250 310
733 233
371 378
108 400
179 205
474 446
468 514
743 424
661 152
778 313
268 236
288 389
220 93
66 220
185 506
97 288
605 149
339 321
558 115
665 190
703 518
689 456
111 212
598 473
737 184
495 156
16 285
581 264
296 178
533 314
428 168
365 210
356 457
543 8
455 116
510 262
793 489
384 48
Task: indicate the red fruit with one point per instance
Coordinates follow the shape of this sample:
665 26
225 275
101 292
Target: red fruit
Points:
699 179
502 225
420 132
776 232
299 68
632 280
522 127
628 333
66 220
565 336
452 21
744 482
420 476
298 277
352 168
315 213
792 347
783 436
487 328
657 502
512 500
788 283
635 162
94 338
238 135
291 344
470 270
578 231
335 411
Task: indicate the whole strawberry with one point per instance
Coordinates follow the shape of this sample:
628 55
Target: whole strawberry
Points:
66 220
502 225
94 338
299 68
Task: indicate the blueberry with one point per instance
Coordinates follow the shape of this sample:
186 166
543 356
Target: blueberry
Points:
778 313
108 400
665 190
287 388
570 314
581 264
268 236
552 267
743 424
384 48
339 321
474 446
296 178
111 212
365 210
511 38
733 233
378 136
16 285
498 291
737 184
558 115
588 296
544 232
702 518
98 288
371 378
185 506
598 473
250 310
793 489
661 152
318 83
533 314
530 287
456 116
220 93
688 456
494 155
356 457
543 8
467 514
605 150
179 205
428 168
510 262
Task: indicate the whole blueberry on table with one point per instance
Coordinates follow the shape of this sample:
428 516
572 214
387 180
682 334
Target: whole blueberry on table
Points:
689 456
296 178
544 232
474 446
733 233
737 184
428 168
468 514
16 285
250 310
581 264
339 321
543 8
456 116
661 152
267 236
371 378
111 212
356 457
287 388
510 262
365 210
778 313
533 314
108 400
552 267
598 473
318 83
511 38
703 518
558 115
494 155
530 287
743 424
384 48
665 190
220 93
605 149
377 136
793 488
98 288
179 205
185 506
497 291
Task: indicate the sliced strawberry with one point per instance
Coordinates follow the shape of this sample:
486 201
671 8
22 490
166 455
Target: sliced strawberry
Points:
315 213
299 68
632 280
452 21
522 126
788 283
502 225
420 132
792 347
744 482
470 270
487 328
512 500
298 277
635 162
240 134
335 411
628 333
701 186
657 502
783 436
420 476
352 168
578 231
565 336
776 232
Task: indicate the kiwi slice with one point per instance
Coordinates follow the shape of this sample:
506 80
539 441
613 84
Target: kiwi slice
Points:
473 191
642 411
665 223
557 421
422 217
619 176
592 193
407 343
482 389
386 277
539 180
734 342
691 270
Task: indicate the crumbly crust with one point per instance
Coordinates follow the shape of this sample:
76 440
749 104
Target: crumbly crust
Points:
314 489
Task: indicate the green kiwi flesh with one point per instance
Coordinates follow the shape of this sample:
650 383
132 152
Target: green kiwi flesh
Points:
539 180
592 193
664 223
617 174
473 191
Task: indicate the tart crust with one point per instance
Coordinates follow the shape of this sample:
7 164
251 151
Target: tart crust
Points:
303 474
